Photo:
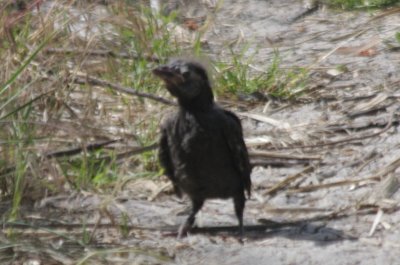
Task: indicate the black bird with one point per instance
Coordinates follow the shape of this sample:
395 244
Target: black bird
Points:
201 147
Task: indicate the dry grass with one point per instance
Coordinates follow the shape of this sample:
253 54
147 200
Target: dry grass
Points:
44 108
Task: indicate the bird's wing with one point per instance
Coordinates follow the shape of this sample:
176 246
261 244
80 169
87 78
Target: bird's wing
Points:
165 160
234 136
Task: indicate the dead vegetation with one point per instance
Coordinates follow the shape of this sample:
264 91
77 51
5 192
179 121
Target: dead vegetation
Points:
80 111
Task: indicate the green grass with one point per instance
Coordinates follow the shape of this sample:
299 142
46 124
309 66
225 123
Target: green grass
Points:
25 101
18 134
351 4
397 37
237 77
147 38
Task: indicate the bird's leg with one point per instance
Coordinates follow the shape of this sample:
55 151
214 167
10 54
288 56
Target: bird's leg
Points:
187 225
239 202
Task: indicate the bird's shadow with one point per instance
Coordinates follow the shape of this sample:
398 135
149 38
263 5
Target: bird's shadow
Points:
316 231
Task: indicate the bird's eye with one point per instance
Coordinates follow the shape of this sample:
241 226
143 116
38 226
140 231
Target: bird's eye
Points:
184 70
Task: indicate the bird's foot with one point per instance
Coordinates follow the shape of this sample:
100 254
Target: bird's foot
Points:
240 234
183 230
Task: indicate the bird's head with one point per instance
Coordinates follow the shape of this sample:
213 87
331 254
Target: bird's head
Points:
186 80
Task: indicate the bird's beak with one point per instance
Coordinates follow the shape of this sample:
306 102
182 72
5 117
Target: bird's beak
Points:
167 74
162 70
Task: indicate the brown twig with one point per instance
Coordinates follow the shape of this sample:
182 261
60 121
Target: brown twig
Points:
268 154
330 185
288 180
104 53
377 176
86 79
77 150
346 140
137 151
362 125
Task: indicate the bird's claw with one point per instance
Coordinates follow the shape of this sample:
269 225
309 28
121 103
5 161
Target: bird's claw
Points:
183 230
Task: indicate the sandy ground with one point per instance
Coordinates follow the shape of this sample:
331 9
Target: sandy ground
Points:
322 41
322 225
